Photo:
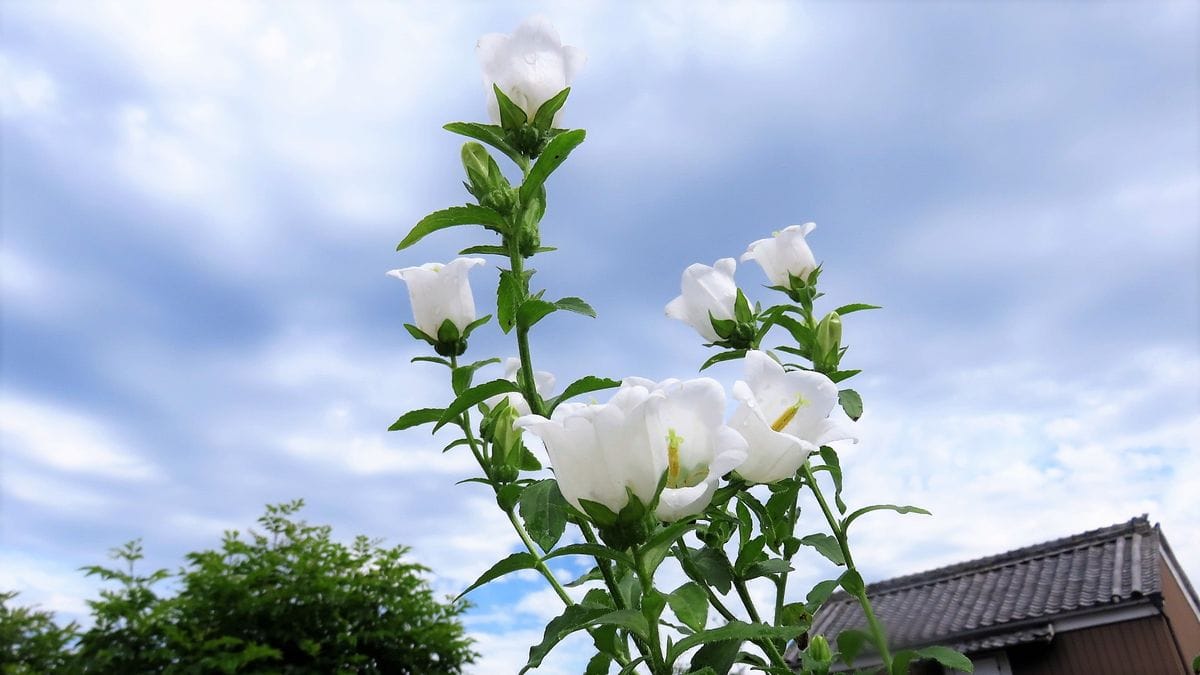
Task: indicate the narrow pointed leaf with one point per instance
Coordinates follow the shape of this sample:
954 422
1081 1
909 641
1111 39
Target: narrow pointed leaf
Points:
470 214
724 356
578 617
414 418
594 550
532 310
492 135
474 396
514 562
583 385
734 630
544 117
855 307
554 155
511 115
882 507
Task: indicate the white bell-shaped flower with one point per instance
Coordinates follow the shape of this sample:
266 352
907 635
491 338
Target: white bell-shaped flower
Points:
530 66
785 252
439 292
784 416
706 290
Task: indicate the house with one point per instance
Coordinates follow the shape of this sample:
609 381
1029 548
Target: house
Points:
1111 601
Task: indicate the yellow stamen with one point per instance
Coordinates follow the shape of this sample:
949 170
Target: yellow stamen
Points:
789 414
674 440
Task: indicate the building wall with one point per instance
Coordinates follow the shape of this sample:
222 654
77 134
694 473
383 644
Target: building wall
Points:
1139 647
1184 621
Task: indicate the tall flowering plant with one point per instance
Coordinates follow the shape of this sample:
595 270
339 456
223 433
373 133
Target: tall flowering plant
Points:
656 472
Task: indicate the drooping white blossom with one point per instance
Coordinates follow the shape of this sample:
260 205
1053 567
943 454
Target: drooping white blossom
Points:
705 290
783 416
439 292
645 431
530 66
783 253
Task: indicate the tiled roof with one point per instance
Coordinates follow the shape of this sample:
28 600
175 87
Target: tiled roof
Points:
1011 598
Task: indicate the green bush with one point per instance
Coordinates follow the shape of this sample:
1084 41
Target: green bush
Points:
287 599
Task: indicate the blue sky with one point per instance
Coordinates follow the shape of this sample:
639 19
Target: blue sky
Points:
199 202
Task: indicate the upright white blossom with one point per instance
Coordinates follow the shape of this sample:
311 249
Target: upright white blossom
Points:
785 252
645 431
783 416
705 290
439 292
530 66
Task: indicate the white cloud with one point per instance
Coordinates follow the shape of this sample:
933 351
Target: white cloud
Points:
25 90
68 440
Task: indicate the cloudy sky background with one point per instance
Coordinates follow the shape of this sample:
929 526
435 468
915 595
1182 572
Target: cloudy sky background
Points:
199 202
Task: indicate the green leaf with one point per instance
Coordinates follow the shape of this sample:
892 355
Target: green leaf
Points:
749 553
724 356
767 568
839 375
714 567
533 310
901 661
579 617
819 594
741 308
511 115
715 657
794 613
594 550
734 630
473 397
544 117
690 604
851 403
508 296
576 305
826 545
593 574
598 665
484 250
514 562
488 133
544 511
947 657
834 467
529 461
657 546
554 155
419 334
415 418
850 643
598 513
470 214
852 581
855 307
584 385
882 507
631 667
460 377
431 359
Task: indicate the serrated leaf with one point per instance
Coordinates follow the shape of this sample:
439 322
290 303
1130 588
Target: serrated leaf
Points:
819 594
514 562
715 657
544 511
826 545
414 418
577 305
578 617
882 507
714 567
473 397
723 356
593 574
532 310
690 604
507 298
851 402
734 630
492 135
583 385
470 214
947 657
594 550
855 307
552 156
767 568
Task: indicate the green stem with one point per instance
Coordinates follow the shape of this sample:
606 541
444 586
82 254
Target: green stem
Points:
781 581
526 380
877 633
610 582
658 664
748 602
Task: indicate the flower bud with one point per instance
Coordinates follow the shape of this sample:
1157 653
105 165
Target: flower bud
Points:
829 338
442 305
818 649
502 200
530 66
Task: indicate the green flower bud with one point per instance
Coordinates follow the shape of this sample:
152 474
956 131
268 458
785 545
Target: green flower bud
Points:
829 338
502 200
528 139
818 649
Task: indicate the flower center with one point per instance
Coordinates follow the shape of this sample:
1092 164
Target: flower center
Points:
675 476
788 415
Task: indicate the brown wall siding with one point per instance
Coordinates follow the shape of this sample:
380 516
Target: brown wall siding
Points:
1179 613
1138 647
